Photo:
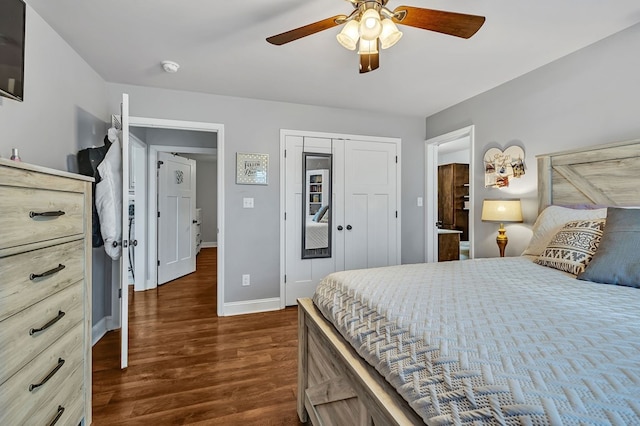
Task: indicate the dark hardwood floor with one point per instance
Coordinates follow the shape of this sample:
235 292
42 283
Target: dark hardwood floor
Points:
187 366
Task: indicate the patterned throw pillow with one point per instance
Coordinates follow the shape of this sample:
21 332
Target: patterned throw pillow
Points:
572 248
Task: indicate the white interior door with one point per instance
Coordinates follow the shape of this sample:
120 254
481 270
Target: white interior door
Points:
302 275
124 261
370 205
176 216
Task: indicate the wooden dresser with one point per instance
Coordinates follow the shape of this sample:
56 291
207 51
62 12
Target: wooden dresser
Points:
45 296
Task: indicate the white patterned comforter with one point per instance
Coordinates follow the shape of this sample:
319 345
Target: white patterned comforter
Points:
494 341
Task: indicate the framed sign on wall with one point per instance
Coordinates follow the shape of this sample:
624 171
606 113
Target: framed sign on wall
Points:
252 169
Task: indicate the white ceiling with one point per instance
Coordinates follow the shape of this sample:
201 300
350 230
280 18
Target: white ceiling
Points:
221 48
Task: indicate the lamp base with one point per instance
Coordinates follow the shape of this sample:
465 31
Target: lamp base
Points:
502 239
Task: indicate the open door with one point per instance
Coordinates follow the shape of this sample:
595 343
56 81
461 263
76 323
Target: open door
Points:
176 217
124 261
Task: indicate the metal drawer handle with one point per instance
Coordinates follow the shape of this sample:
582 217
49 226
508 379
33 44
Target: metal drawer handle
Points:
58 268
58 415
49 376
57 213
47 325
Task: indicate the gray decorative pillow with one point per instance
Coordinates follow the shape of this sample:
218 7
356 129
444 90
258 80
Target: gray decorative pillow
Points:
617 260
572 248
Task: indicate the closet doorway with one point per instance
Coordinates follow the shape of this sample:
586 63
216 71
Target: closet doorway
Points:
449 156
354 224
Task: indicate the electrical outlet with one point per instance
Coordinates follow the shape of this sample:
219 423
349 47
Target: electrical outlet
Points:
247 203
246 279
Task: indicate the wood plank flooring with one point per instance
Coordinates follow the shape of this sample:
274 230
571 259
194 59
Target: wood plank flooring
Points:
189 367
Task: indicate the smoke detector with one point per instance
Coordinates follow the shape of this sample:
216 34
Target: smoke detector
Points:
170 66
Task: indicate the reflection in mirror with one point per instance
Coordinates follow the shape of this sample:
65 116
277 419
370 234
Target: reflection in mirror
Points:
316 205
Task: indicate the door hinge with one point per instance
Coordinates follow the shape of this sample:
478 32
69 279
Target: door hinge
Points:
158 214
160 163
285 279
158 263
119 293
285 215
285 153
396 214
396 159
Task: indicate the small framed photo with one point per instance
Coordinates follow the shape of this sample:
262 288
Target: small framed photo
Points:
252 169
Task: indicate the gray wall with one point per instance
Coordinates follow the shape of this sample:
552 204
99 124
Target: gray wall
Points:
64 111
207 195
252 235
62 98
589 97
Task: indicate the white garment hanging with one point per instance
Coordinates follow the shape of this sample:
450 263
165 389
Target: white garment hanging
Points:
109 197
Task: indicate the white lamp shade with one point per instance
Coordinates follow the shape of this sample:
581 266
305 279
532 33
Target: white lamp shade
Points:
501 211
370 25
368 47
390 34
349 35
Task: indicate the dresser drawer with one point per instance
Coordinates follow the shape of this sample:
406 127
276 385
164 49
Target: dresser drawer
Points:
22 220
18 290
66 404
20 403
21 340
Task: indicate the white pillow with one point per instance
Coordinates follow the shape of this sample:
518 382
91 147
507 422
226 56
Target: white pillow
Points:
551 220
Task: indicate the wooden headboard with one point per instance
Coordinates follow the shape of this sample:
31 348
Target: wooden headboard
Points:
605 175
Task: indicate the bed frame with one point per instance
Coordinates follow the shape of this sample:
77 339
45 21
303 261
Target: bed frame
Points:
337 387
604 175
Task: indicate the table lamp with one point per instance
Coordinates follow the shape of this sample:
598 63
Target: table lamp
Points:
502 211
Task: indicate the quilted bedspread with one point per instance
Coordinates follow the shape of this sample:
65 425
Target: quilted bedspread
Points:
494 341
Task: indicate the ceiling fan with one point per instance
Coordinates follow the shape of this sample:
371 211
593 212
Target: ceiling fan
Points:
372 25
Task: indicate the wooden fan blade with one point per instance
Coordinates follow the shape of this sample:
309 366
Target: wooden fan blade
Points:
451 23
307 30
369 62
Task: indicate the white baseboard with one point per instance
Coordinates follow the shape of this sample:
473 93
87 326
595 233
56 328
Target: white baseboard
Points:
209 244
98 331
251 306
112 323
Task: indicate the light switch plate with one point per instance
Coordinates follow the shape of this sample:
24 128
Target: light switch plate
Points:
420 202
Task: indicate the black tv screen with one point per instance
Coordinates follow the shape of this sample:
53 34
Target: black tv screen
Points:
12 23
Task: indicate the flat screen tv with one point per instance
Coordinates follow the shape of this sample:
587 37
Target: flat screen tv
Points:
12 25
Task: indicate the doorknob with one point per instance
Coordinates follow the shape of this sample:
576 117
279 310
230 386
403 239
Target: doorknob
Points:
340 228
134 243
194 221
349 227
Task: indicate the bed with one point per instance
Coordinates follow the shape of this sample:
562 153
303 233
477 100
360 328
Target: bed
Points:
518 343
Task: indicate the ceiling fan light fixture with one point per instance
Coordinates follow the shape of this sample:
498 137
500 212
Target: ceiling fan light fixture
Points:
368 47
370 25
349 35
390 34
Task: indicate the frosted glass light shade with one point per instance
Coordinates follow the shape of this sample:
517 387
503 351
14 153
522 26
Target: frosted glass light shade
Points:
368 47
390 34
349 35
370 25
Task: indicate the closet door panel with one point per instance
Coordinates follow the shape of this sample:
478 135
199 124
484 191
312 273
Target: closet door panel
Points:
370 204
302 275
356 244
381 227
